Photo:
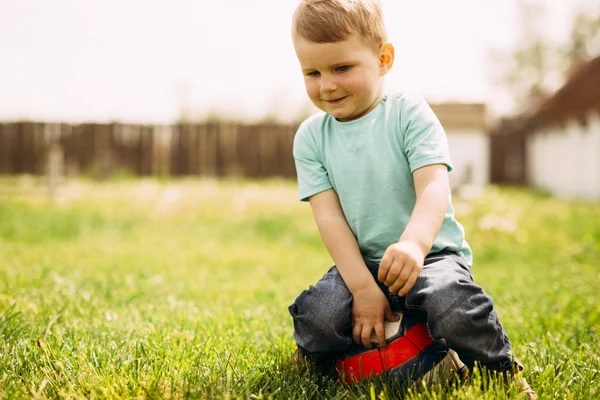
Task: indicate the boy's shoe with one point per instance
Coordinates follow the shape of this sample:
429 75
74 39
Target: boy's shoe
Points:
515 376
299 358
521 386
525 388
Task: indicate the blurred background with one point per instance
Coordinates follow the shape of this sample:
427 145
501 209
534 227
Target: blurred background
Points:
213 88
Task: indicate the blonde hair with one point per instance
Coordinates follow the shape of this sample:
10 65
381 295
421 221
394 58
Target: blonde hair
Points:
327 21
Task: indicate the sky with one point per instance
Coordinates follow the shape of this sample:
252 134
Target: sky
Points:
148 61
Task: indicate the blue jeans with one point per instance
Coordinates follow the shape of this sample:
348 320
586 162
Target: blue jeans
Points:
445 296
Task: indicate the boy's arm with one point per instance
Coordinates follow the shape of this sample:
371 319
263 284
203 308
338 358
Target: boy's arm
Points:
403 261
369 306
432 188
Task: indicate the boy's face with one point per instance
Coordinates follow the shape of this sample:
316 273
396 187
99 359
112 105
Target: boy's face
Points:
341 78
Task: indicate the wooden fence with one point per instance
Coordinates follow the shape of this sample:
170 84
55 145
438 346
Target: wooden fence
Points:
508 159
508 153
219 150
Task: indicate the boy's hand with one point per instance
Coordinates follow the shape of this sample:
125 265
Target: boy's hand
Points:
369 308
400 266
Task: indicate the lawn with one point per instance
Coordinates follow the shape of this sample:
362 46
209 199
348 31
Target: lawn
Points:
151 289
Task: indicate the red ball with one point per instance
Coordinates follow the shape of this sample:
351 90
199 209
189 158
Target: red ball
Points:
410 352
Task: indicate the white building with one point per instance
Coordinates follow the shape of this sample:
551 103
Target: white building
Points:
465 126
562 138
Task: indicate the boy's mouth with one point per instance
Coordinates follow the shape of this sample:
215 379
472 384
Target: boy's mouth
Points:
334 101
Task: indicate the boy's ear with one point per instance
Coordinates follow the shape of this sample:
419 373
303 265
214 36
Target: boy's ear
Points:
386 58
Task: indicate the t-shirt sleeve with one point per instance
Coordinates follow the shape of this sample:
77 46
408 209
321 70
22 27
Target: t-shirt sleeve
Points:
312 175
425 142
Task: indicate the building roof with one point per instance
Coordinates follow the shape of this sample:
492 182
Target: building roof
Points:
461 116
574 101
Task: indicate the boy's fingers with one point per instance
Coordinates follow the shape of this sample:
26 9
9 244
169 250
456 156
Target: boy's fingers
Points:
389 315
384 267
380 332
394 273
397 284
404 276
366 336
410 282
356 333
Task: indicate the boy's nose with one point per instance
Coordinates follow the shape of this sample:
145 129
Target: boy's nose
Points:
328 85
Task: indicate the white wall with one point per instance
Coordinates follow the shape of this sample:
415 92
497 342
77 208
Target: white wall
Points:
566 162
470 152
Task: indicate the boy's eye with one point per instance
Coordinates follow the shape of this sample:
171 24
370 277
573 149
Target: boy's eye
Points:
313 73
342 68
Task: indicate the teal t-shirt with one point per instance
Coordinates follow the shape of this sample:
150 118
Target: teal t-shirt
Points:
369 163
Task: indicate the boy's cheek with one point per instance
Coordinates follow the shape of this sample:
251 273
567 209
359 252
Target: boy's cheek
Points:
314 96
312 89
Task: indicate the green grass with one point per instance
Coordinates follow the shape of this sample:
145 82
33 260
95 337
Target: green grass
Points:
180 290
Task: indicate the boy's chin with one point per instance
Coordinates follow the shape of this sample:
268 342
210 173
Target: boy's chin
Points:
343 116
340 115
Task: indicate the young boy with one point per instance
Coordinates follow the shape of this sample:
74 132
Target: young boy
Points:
374 168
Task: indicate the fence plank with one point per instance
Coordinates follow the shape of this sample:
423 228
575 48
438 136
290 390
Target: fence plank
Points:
4 152
6 148
145 150
208 149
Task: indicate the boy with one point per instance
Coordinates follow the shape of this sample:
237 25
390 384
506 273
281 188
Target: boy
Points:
374 168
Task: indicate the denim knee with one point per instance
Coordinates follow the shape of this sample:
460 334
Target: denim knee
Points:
323 316
452 301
